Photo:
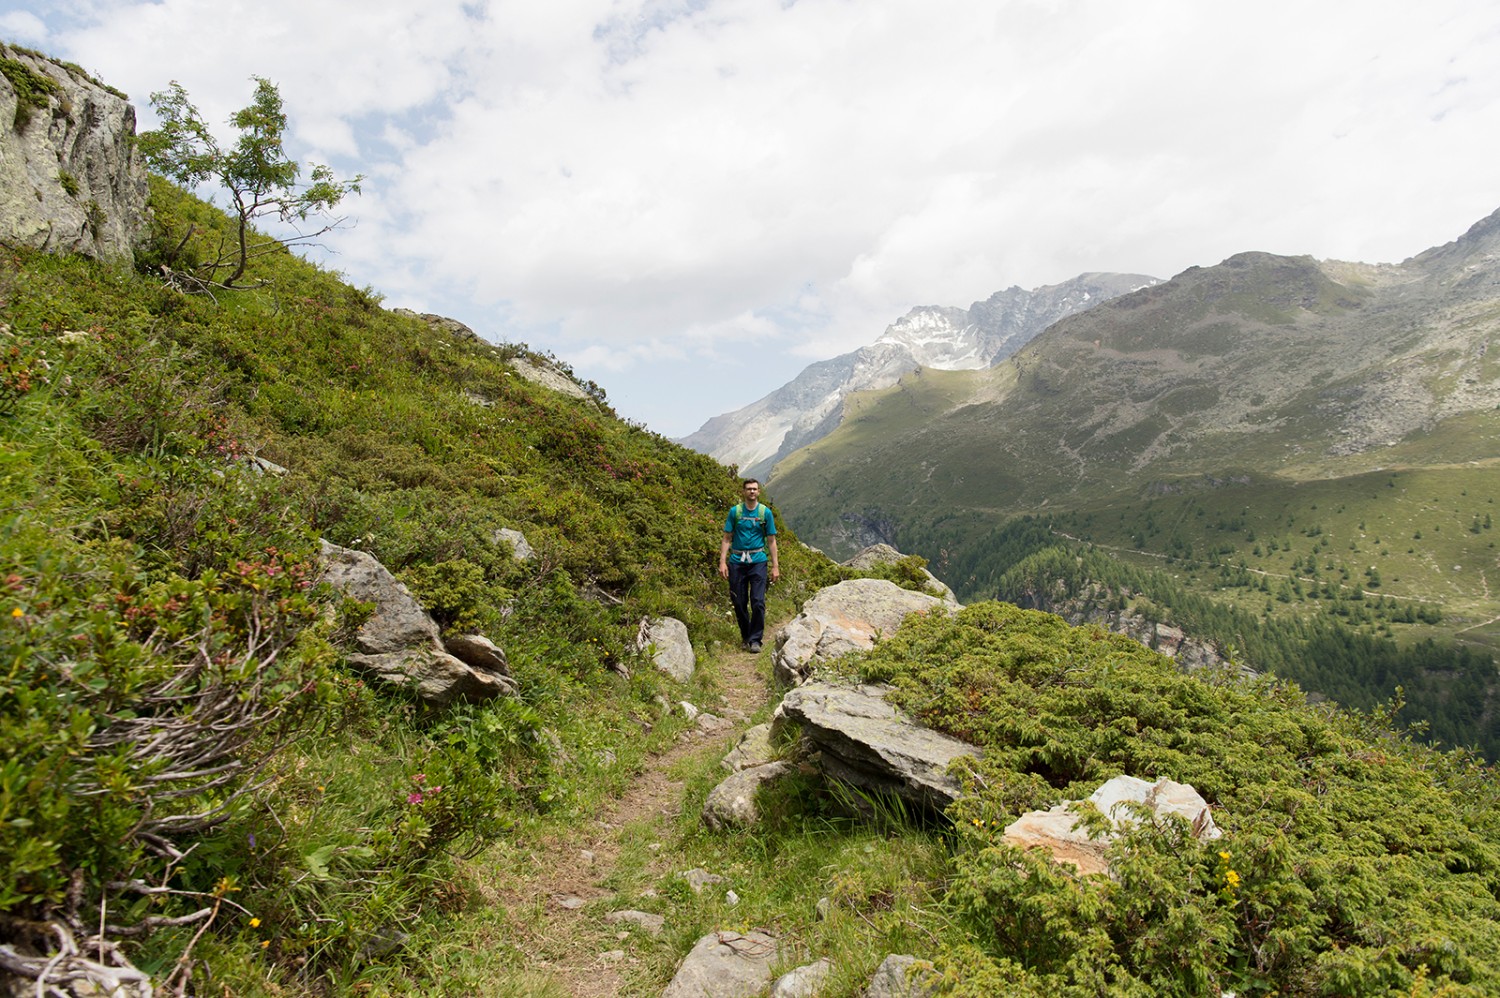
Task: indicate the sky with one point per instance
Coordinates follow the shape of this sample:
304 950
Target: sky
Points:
689 201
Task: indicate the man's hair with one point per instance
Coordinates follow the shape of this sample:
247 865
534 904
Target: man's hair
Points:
750 481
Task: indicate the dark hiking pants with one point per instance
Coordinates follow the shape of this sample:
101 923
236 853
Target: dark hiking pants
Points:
747 591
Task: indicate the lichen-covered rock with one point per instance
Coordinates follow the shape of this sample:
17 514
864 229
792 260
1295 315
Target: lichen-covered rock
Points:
1059 831
843 618
901 976
666 640
400 643
731 804
753 749
884 554
71 180
862 740
725 965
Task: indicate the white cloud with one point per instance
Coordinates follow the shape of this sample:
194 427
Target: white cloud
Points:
638 179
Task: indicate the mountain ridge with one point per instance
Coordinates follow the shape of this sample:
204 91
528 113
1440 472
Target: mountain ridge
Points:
757 436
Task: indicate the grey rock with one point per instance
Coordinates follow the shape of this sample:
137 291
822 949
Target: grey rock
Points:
731 804
400 643
548 377
85 134
1057 830
884 554
802 982
666 640
440 323
864 741
699 878
725 965
477 651
517 541
645 919
846 617
901 976
754 749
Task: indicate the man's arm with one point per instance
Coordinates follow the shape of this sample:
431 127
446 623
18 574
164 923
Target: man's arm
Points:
724 554
775 558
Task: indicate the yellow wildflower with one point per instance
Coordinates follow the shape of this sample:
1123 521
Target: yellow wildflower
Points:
18 612
254 923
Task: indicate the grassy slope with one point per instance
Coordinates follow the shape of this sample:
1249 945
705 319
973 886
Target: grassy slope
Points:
1188 426
132 539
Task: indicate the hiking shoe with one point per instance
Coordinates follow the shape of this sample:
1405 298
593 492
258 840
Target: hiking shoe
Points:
754 648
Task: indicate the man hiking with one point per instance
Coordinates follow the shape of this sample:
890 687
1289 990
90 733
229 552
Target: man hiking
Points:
749 533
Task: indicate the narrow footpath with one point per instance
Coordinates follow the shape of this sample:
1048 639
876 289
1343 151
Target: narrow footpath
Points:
563 875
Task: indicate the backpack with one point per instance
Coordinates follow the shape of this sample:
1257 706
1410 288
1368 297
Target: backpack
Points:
759 517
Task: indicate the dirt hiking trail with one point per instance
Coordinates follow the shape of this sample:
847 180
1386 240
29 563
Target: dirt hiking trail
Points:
555 878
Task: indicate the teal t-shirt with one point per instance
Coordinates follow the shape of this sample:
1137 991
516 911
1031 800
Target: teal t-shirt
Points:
750 530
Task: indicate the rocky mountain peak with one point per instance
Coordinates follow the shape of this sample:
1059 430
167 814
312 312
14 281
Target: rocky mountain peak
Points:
946 338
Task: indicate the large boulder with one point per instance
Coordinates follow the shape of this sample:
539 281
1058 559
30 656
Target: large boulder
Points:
71 180
884 554
666 640
725 965
400 644
839 619
1060 832
862 740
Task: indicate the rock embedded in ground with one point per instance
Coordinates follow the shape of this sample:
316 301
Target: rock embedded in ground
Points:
1058 829
753 749
839 619
731 804
400 643
725 965
645 919
802 982
884 554
864 741
900 976
666 640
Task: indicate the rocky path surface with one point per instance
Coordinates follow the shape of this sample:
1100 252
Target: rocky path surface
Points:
562 876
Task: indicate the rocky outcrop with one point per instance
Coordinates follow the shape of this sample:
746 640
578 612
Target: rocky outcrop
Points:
441 324
843 618
666 640
753 749
884 554
71 180
725 965
400 644
1097 604
856 737
1060 831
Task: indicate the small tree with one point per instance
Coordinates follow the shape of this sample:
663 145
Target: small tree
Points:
256 172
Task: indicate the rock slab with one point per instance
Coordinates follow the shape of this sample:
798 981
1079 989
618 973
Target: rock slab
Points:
865 741
842 618
725 965
731 804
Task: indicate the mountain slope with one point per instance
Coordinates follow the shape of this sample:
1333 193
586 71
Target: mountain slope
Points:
943 338
1263 364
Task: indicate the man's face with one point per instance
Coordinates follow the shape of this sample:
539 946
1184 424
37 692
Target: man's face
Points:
752 493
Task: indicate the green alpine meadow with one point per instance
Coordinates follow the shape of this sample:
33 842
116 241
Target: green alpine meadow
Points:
214 781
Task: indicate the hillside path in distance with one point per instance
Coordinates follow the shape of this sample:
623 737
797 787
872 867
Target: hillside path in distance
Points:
551 894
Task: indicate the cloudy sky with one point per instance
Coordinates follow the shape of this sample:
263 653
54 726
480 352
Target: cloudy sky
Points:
691 200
